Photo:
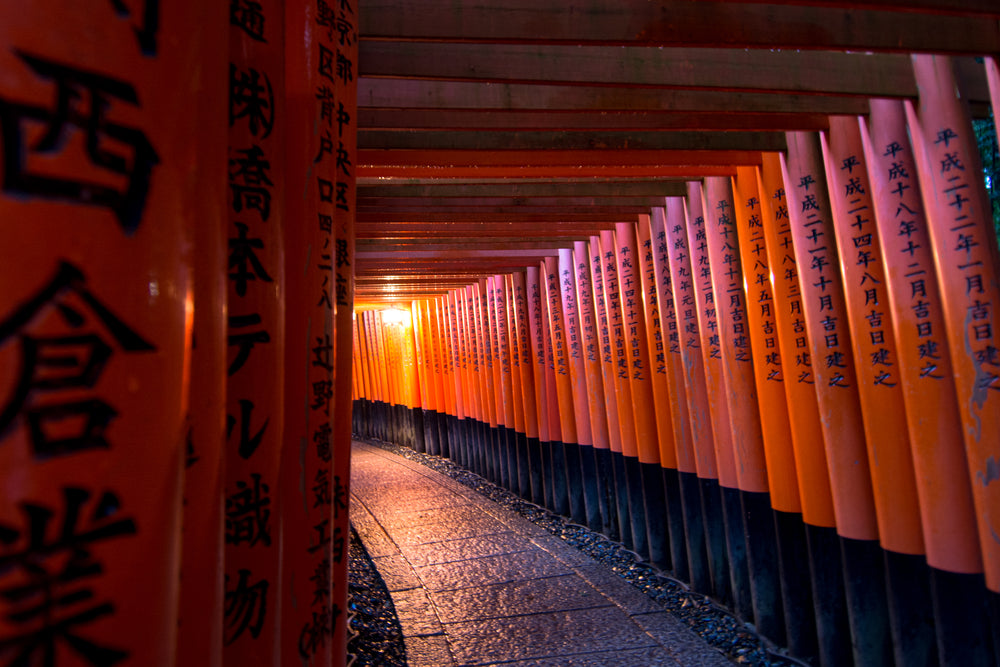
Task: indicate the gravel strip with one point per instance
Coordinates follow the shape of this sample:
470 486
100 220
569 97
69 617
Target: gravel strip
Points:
374 637
712 623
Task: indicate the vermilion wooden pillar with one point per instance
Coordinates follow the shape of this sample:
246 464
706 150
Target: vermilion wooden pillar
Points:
619 488
718 502
562 422
521 481
946 507
825 319
670 342
820 560
596 464
771 375
528 389
630 476
639 374
735 332
536 322
702 436
112 148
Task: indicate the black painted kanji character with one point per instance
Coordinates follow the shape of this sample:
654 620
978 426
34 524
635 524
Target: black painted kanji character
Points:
145 33
326 17
321 583
247 513
67 361
316 633
339 497
322 536
326 63
245 607
322 437
81 103
244 260
322 394
248 16
345 68
248 444
321 488
323 353
190 455
251 97
44 595
245 341
249 181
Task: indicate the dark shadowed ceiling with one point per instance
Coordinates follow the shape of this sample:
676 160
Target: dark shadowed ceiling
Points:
494 133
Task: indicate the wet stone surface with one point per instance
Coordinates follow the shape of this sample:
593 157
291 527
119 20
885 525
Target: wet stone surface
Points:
677 609
374 636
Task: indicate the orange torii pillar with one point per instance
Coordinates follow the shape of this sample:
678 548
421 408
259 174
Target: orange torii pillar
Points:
424 375
506 440
479 423
568 495
522 475
946 507
720 501
655 446
739 357
448 393
696 513
756 219
629 466
964 245
826 321
529 387
255 420
503 351
113 141
488 386
596 465
820 560
559 269
669 345
882 406
470 363
313 493
536 323
672 522
615 464
454 443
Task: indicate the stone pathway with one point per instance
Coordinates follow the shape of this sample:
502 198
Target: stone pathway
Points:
476 584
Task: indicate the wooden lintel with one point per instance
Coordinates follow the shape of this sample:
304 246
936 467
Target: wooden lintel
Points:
844 25
444 216
520 159
687 171
471 244
398 92
520 189
570 140
418 203
659 121
412 213
813 72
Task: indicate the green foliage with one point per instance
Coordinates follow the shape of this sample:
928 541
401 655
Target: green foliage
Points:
986 138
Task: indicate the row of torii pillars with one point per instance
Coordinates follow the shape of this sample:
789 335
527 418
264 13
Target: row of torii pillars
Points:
781 388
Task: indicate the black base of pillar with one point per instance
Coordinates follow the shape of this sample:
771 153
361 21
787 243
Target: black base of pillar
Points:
574 483
694 530
675 519
535 471
622 499
513 474
826 570
739 587
867 606
557 473
523 467
545 454
657 529
796 590
636 507
762 561
605 466
592 491
715 539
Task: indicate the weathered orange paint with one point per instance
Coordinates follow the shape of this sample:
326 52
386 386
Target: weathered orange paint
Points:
607 358
558 378
822 296
803 410
514 354
876 364
638 373
616 329
670 329
941 470
503 351
768 365
536 326
591 347
572 345
692 351
964 246
708 327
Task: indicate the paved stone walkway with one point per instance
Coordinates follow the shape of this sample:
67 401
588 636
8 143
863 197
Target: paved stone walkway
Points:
476 584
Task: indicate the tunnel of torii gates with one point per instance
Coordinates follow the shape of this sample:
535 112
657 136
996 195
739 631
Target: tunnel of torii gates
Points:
717 279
